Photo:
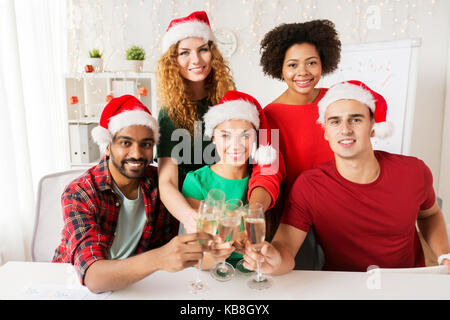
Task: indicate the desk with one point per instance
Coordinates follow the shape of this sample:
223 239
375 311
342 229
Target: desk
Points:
296 285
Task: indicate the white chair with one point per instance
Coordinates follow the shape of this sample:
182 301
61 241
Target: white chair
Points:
48 214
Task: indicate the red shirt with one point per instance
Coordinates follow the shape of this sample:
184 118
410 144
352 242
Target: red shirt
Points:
359 225
301 142
91 210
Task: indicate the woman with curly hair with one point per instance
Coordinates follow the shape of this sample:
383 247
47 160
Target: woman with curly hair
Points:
192 75
298 54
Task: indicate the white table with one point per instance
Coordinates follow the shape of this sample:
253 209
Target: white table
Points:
296 285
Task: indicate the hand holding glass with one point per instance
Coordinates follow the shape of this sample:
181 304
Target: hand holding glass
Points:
229 224
256 232
206 222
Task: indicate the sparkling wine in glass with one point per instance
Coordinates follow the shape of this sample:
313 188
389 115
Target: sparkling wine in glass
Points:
229 225
207 221
255 226
239 243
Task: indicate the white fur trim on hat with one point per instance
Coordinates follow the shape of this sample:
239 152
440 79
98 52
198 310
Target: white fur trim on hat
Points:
103 137
265 155
185 30
344 91
230 110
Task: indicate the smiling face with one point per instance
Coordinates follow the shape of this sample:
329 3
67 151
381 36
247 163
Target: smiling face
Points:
130 152
194 59
234 140
348 129
302 68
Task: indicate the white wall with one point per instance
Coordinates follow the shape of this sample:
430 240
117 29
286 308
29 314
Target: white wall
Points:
115 25
444 181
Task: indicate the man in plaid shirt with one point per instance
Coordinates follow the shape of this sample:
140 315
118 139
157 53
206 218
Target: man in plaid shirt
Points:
116 229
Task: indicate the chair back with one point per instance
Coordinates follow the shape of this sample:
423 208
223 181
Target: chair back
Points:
48 222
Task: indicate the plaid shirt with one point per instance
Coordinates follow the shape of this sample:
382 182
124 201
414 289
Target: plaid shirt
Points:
91 210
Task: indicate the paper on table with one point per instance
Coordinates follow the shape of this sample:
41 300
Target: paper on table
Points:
70 290
58 292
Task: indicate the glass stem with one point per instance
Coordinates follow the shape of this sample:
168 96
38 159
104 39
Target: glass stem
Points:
199 271
258 271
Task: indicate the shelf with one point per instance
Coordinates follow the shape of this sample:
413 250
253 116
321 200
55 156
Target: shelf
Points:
84 121
91 89
112 75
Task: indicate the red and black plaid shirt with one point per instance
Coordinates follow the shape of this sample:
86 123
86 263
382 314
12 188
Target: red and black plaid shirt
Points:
91 210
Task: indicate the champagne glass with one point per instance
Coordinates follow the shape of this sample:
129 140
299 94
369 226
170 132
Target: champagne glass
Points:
255 226
216 198
206 222
229 224
240 244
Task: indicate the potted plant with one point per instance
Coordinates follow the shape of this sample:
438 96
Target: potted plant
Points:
95 60
135 56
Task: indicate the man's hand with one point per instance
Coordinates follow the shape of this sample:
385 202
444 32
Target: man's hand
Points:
269 258
183 251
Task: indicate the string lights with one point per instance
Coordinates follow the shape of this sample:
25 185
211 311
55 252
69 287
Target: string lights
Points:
112 24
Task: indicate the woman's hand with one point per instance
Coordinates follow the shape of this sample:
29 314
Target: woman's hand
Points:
190 221
218 252
221 250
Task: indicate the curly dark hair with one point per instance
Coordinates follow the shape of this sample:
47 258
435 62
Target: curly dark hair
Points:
320 33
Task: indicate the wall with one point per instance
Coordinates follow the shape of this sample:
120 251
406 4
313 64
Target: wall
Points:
115 25
444 181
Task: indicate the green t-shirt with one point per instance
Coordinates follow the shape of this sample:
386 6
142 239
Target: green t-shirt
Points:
197 184
179 144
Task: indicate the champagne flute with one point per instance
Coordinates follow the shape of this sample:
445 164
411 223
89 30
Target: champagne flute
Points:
216 198
256 232
229 224
240 243
206 222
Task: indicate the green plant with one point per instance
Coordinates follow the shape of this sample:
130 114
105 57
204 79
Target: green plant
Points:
135 53
95 53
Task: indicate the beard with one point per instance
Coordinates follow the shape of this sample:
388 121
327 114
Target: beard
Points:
126 171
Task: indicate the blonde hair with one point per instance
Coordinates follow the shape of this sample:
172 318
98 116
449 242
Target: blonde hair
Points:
173 90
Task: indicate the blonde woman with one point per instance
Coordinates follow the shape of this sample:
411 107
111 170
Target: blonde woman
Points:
192 75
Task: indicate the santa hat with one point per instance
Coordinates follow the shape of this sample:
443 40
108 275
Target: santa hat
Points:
120 113
194 25
237 105
356 90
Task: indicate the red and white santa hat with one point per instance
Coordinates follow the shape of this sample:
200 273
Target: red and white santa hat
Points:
237 105
357 90
194 25
119 113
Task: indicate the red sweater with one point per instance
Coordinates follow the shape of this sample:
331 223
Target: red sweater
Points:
301 142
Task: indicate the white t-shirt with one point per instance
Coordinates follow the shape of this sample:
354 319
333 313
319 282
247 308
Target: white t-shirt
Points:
130 226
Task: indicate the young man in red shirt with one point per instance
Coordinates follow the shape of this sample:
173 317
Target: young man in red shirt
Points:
116 229
364 204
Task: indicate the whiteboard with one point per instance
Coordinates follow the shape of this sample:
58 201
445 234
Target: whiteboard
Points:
389 68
